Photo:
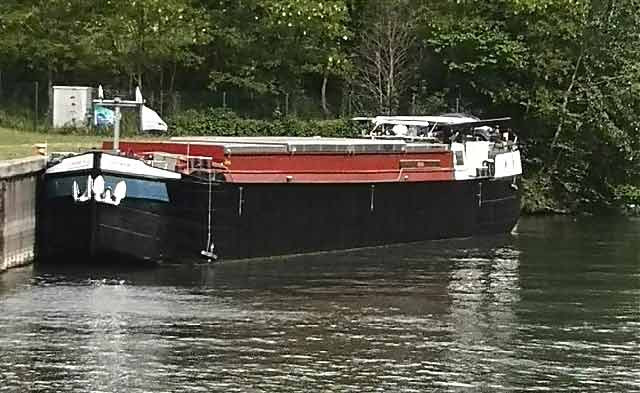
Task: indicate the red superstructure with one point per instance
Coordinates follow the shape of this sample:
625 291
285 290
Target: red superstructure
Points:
299 160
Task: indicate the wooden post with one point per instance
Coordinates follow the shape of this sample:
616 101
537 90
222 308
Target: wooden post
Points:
50 97
176 101
286 104
413 104
35 105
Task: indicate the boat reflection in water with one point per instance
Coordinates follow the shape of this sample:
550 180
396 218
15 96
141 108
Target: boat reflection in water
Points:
551 308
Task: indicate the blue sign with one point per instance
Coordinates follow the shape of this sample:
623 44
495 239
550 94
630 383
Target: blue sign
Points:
103 117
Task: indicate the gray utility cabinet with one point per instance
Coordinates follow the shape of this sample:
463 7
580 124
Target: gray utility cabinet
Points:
71 106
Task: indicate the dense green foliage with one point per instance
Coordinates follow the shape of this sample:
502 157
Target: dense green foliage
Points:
567 71
227 123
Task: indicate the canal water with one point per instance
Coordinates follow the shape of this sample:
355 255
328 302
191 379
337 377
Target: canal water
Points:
553 307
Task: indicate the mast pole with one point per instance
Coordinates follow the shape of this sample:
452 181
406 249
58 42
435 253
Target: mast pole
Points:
117 104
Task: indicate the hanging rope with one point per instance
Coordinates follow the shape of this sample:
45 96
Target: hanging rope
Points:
188 160
209 251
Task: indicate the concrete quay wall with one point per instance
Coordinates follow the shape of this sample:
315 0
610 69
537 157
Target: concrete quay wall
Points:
18 182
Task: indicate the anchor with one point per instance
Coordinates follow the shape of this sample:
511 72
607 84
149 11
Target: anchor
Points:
210 254
97 190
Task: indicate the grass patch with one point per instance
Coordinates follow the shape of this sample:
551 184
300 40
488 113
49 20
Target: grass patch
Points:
16 144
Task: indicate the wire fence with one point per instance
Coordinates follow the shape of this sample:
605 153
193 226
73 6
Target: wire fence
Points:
246 104
28 104
21 105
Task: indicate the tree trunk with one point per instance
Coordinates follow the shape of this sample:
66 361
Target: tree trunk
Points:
161 87
139 78
563 112
565 101
325 108
141 51
380 84
172 80
391 75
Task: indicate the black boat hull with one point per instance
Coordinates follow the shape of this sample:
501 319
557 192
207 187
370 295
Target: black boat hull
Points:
236 221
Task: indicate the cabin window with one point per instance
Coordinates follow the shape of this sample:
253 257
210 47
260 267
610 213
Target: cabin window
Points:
63 186
459 158
142 189
136 188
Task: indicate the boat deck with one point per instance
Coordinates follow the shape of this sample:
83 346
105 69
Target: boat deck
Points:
292 145
298 159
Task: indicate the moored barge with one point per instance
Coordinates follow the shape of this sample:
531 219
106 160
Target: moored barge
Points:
193 198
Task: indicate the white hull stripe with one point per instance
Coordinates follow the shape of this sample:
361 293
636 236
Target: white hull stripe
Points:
132 166
71 164
111 163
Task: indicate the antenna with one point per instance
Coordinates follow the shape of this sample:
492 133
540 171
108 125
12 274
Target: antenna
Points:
138 94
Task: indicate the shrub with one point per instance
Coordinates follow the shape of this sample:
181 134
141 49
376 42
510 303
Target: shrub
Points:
19 119
222 122
538 196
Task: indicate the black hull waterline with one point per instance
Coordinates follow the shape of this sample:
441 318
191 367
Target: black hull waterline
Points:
188 219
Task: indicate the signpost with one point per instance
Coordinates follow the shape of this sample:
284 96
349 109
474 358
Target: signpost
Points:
116 103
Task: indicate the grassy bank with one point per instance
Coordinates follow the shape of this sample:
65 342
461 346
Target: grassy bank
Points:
15 143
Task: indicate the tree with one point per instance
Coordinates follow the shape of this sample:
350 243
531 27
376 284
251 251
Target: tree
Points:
150 36
594 146
8 40
567 71
316 33
48 36
383 55
270 46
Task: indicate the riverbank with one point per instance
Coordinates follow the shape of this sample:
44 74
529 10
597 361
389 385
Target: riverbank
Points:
18 144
